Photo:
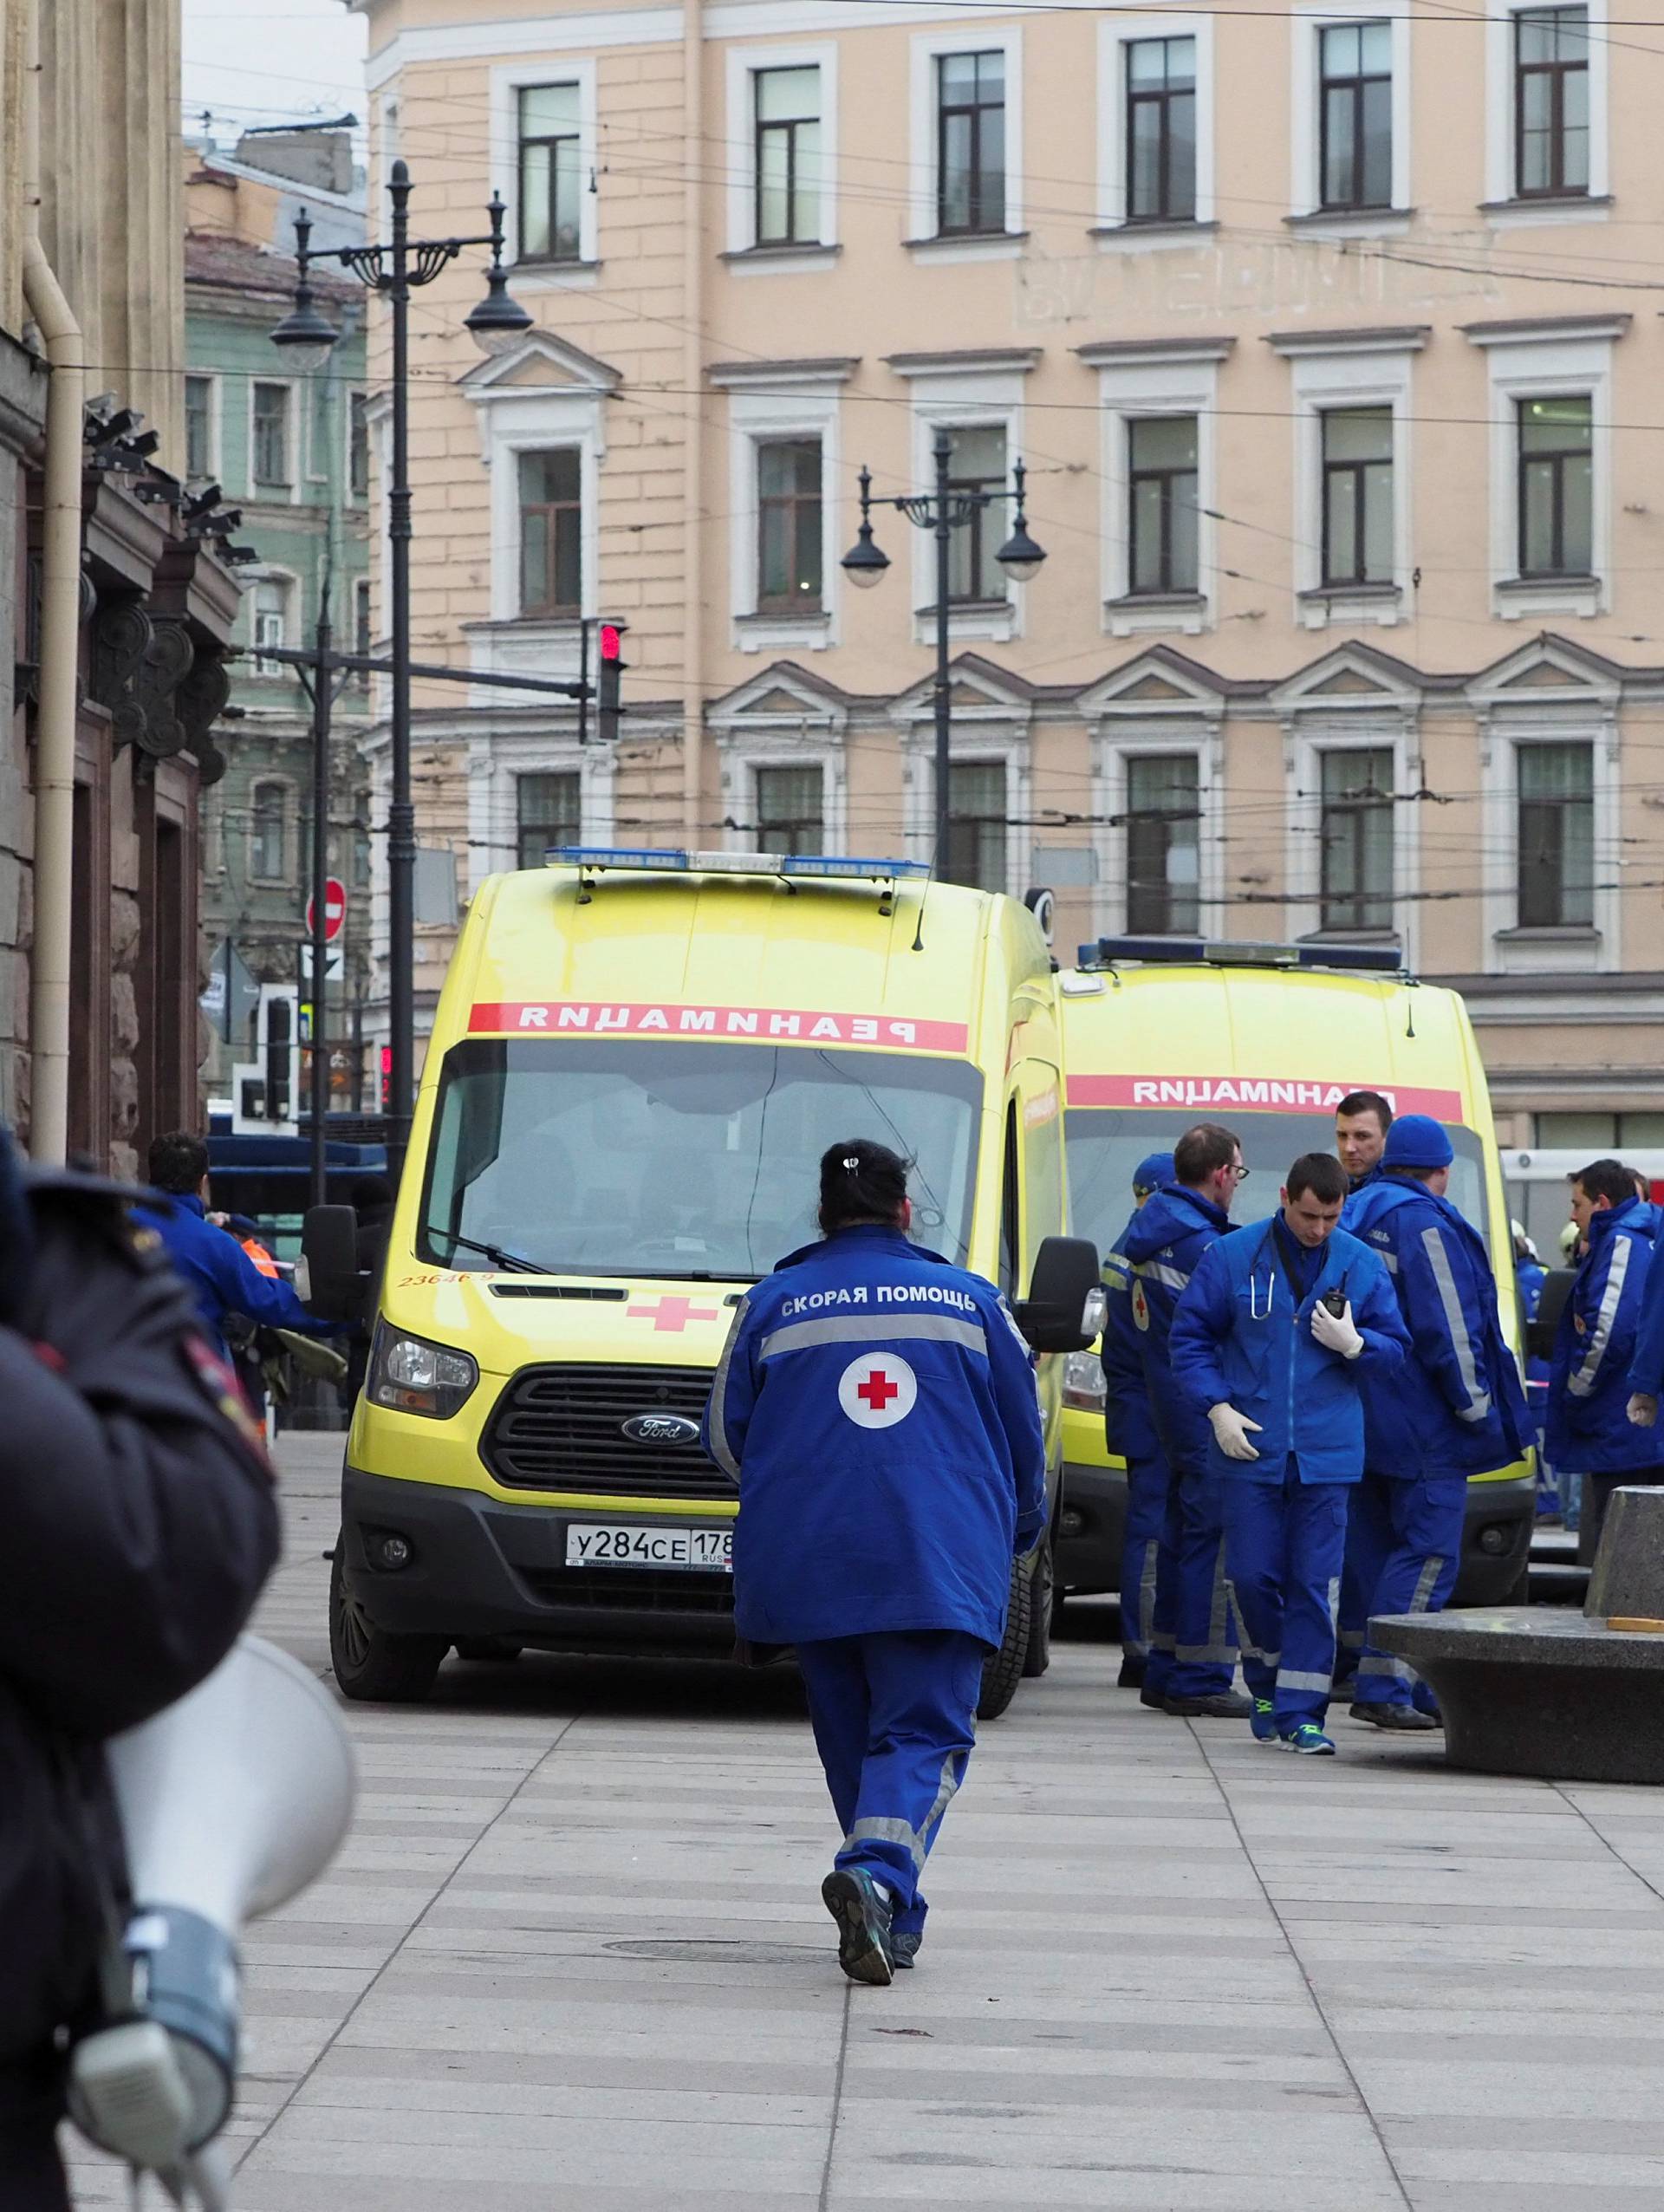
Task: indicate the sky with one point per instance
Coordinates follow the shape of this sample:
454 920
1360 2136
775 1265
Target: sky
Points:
254 61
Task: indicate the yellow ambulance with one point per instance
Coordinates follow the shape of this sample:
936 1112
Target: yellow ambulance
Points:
1159 1033
637 1060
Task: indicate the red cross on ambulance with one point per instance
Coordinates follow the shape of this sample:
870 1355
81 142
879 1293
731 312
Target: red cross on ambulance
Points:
877 1390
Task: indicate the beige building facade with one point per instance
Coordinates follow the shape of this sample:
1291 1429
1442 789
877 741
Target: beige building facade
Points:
1328 340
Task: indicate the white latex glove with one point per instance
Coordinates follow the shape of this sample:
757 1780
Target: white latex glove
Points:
1337 1332
1231 1431
1642 1410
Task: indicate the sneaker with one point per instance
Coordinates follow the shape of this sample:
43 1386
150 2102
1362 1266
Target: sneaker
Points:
1263 1721
1309 1739
904 1946
855 1902
1392 1717
1131 1675
1224 1705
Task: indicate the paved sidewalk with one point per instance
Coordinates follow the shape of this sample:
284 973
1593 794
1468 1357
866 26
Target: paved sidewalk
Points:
574 1956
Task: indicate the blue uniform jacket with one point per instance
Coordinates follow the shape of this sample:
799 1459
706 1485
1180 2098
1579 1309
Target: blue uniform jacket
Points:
1459 1405
219 1274
1164 1241
1238 1337
1128 1424
1587 1429
1647 1367
878 1409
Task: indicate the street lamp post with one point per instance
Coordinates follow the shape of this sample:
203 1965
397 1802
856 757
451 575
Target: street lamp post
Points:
942 512
393 271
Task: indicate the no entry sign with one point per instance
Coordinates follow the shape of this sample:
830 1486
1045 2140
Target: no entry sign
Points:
335 909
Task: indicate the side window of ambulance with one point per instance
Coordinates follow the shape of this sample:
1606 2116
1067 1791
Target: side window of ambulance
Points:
1011 1222
1044 1175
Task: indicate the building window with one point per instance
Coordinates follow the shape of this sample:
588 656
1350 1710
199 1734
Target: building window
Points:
1160 130
970 143
1551 101
1161 503
552 195
549 811
976 464
363 629
1556 487
788 155
791 810
789 535
1556 835
199 426
1163 843
268 622
268 833
1356 834
358 445
271 435
551 533
976 825
1356 115
361 846
1357 495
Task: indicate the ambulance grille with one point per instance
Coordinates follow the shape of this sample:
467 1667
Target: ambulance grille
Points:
563 1428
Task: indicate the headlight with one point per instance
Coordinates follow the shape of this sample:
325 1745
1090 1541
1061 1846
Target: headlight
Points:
408 1374
1083 1384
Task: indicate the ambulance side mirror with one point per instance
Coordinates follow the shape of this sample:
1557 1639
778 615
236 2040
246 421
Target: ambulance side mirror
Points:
1063 1311
1540 1333
328 1277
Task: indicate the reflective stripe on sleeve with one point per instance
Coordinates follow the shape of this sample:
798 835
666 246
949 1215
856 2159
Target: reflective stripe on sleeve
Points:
1157 1270
1479 1401
875 1328
1582 1382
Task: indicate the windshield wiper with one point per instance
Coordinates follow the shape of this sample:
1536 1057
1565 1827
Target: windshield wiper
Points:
511 1261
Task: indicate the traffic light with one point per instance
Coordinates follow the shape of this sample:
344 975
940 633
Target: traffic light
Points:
607 709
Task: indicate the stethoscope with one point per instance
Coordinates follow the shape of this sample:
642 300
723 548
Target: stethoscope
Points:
1254 1312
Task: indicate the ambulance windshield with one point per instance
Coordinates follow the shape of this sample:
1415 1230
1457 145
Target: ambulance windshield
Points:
684 1160
1106 1144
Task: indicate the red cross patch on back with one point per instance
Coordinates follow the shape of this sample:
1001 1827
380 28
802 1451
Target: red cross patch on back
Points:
877 1390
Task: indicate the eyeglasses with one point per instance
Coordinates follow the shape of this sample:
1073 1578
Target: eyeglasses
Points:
1239 1172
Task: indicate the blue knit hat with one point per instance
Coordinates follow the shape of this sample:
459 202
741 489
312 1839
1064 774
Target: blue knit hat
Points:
1152 1173
1416 1141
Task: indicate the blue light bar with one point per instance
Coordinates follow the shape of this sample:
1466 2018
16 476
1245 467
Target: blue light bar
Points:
1203 952
643 856
831 865
662 858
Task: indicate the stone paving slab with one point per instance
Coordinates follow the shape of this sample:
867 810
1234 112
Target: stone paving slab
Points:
574 1956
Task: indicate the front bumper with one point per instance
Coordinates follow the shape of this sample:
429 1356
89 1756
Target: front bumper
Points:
1496 1540
1092 1528
480 1567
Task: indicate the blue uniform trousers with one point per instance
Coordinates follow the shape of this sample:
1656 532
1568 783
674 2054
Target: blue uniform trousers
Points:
1147 1563
1284 1543
1195 1610
895 1719
1405 1548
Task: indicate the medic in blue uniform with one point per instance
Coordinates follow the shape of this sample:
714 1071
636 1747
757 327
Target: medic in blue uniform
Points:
1264 1345
1129 1431
877 1408
1194 1640
1457 1408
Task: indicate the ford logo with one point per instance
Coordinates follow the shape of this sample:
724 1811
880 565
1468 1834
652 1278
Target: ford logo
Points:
661 1429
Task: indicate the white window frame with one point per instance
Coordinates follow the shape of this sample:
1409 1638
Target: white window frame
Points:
996 741
759 418
1501 203
350 498
748 752
539 423
1524 365
276 494
507 81
927 47
216 422
1507 949
1115 745
316 387
1309 737
1152 383
1305 132
1324 380
1115 34
263 781
745 65
971 399
290 585
498 758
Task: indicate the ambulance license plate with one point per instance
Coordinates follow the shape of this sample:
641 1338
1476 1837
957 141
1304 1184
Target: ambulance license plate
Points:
596 1545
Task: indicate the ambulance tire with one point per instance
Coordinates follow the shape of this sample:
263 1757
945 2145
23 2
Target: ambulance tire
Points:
370 1666
1042 1600
1003 1672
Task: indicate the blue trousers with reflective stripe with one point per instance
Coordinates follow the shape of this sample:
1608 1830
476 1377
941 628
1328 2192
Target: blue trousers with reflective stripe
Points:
1194 1607
1146 1559
895 1719
1405 1546
1284 1544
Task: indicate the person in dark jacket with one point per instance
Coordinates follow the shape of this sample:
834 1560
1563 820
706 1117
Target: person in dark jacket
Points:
1129 1431
1165 1243
1361 1120
1457 1408
877 1408
137 1525
213 1265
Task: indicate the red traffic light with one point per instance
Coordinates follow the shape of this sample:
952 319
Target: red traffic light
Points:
611 641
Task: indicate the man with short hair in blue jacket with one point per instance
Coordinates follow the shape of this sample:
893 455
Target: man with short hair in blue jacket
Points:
1265 1346
1165 1242
1129 1431
1589 1429
1457 1408
877 1408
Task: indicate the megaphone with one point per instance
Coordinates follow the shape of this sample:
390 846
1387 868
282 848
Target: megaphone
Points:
232 1801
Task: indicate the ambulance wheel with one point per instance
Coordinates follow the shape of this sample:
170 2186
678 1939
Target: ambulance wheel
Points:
1042 1602
370 1665
1002 1674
